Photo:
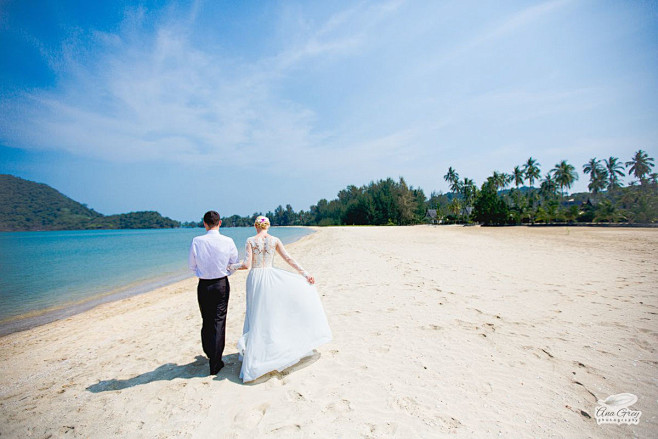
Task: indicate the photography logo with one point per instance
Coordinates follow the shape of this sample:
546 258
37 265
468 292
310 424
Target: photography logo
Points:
615 410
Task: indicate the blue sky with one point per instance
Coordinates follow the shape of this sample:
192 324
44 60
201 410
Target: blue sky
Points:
181 107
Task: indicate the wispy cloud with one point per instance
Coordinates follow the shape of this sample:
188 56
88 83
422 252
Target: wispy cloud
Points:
388 88
525 17
153 94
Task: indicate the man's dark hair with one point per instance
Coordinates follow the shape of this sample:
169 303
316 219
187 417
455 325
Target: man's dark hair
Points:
211 218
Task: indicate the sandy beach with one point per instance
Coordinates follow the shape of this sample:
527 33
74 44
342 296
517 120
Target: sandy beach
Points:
438 332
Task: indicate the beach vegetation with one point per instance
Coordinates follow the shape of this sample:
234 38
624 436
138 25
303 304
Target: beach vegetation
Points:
640 166
27 205
490 208
545 199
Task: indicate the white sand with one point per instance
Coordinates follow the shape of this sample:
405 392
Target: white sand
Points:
438 331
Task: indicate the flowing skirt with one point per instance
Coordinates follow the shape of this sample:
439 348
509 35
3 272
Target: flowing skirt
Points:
284 322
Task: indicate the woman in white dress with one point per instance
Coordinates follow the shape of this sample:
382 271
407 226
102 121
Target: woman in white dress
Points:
284 320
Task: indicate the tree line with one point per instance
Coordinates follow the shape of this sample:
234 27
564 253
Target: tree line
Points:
522 196
607 200
384 202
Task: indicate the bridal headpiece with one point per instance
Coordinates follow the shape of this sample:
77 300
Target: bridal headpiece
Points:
262 222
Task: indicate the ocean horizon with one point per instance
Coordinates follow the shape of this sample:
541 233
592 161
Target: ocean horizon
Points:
46 276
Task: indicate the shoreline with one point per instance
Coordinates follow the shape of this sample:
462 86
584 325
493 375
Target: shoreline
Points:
33 319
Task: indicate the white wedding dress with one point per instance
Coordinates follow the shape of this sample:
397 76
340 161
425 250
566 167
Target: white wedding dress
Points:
284 320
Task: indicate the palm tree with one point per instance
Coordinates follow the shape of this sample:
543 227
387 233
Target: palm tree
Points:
640 165
548 187
572 214
606 211
597 175
615 170
500 180
455 207
564 174
469 190
518 175
453 178
532 172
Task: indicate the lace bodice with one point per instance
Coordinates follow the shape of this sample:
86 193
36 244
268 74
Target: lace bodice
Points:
262 251
259 253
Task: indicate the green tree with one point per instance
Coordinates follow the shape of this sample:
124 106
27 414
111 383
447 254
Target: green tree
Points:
520 206
452 177
455 207
500 180
548 187
489 208
597 175
518 175
572 213
607 212
548 212
565 175
532 171
640 165
468 192
615 170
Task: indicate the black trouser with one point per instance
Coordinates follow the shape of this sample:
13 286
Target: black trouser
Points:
213 302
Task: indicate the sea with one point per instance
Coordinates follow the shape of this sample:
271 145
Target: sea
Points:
45 276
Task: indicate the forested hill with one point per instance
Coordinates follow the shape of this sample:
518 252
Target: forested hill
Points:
26 205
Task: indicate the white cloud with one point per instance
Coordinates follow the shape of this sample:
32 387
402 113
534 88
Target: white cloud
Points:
409 98
145 96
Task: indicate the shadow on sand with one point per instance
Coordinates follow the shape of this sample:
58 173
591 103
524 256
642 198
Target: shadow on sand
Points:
167 372
303 363
197 369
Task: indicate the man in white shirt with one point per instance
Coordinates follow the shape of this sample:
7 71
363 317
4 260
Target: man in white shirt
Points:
210 255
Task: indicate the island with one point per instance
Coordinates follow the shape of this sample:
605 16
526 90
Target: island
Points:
29 206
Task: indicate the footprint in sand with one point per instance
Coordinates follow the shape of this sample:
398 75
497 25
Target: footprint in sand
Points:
294 395
381 349
252 417
387 429
428 415
339 407
292 428
431 327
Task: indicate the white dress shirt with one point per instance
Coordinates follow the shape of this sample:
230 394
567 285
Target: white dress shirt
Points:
211 254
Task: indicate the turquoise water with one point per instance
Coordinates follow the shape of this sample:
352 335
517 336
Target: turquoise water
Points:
51 270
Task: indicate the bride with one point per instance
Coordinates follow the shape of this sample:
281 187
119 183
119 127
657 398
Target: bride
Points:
285 320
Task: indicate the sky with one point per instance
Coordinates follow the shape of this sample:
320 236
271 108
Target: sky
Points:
183 107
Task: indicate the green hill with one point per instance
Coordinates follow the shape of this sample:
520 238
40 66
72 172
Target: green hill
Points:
26 205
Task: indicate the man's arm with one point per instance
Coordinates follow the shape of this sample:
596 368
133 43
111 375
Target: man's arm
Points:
191 259
233 258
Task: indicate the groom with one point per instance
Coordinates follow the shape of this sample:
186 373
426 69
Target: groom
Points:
210 255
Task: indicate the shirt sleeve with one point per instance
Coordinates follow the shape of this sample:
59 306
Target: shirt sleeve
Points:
284 254
234 254
191 259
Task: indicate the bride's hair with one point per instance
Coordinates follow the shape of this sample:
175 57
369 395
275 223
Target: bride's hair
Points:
262 222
